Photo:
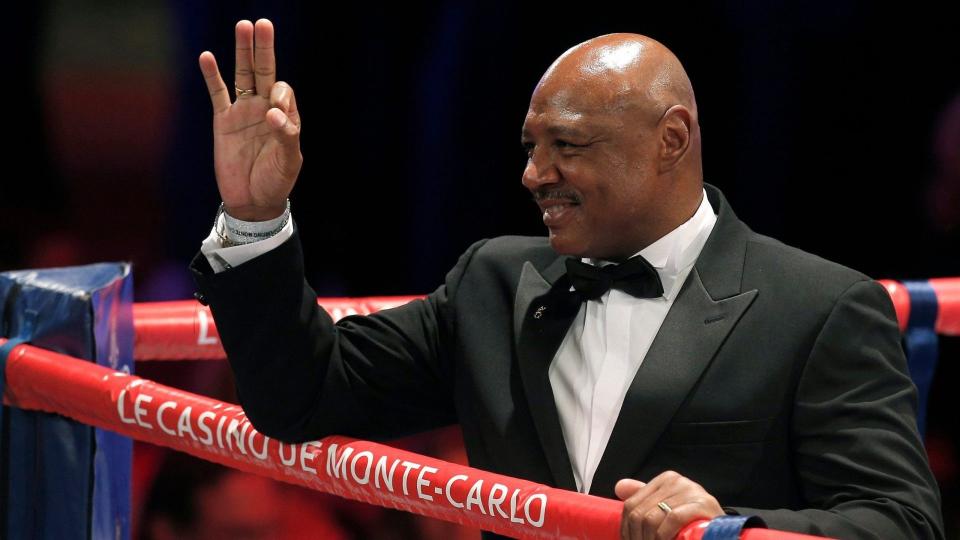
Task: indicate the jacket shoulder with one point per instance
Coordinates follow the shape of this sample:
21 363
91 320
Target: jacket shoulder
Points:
512 251
773 263
499 262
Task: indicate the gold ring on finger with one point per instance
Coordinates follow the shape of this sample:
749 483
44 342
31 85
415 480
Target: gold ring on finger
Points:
245 92
665 507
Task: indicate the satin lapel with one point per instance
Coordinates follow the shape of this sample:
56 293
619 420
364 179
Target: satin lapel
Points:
543 311
688 339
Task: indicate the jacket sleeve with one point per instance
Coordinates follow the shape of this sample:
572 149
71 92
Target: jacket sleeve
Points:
299 376
856 450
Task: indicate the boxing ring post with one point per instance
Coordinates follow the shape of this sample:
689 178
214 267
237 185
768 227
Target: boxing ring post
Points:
62 479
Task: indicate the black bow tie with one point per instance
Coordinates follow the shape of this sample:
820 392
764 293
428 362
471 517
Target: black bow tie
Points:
635 277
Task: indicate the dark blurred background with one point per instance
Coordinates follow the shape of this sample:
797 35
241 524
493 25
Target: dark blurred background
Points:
831 125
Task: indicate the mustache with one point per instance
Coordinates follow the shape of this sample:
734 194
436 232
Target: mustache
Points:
546 193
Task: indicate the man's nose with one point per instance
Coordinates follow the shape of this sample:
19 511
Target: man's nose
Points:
540 171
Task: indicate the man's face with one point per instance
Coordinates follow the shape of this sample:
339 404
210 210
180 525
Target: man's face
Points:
591 167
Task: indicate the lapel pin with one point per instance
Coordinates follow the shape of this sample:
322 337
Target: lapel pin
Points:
715 318
539 313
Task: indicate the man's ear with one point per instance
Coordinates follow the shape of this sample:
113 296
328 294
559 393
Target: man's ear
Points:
675 136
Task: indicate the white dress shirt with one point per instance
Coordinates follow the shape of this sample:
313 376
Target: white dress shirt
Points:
606 344
603 348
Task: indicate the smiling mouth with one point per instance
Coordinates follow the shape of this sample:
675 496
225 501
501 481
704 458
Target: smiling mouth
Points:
557 213
556 205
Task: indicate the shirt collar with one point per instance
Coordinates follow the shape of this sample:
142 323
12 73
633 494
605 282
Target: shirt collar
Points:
677 250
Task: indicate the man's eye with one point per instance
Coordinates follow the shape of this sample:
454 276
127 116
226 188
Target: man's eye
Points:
568 144
528 148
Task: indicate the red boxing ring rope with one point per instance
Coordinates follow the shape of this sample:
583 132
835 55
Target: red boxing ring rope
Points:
948 303
359 470
184 329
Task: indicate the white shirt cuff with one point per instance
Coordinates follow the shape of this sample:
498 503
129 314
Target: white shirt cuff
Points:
223 258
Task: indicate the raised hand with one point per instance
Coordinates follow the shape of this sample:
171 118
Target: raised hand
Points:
256 139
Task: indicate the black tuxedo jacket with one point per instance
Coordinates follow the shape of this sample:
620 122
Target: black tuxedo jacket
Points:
777 380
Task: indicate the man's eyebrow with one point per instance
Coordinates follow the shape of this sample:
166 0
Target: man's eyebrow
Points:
566 131
558 131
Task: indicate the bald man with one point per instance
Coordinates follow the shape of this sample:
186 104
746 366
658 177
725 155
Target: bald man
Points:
652 348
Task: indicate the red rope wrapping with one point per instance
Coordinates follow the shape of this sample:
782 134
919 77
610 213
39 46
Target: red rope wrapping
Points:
359 470
948 303
184 329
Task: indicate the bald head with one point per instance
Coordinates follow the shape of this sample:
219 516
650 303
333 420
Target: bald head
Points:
614 146
622 71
